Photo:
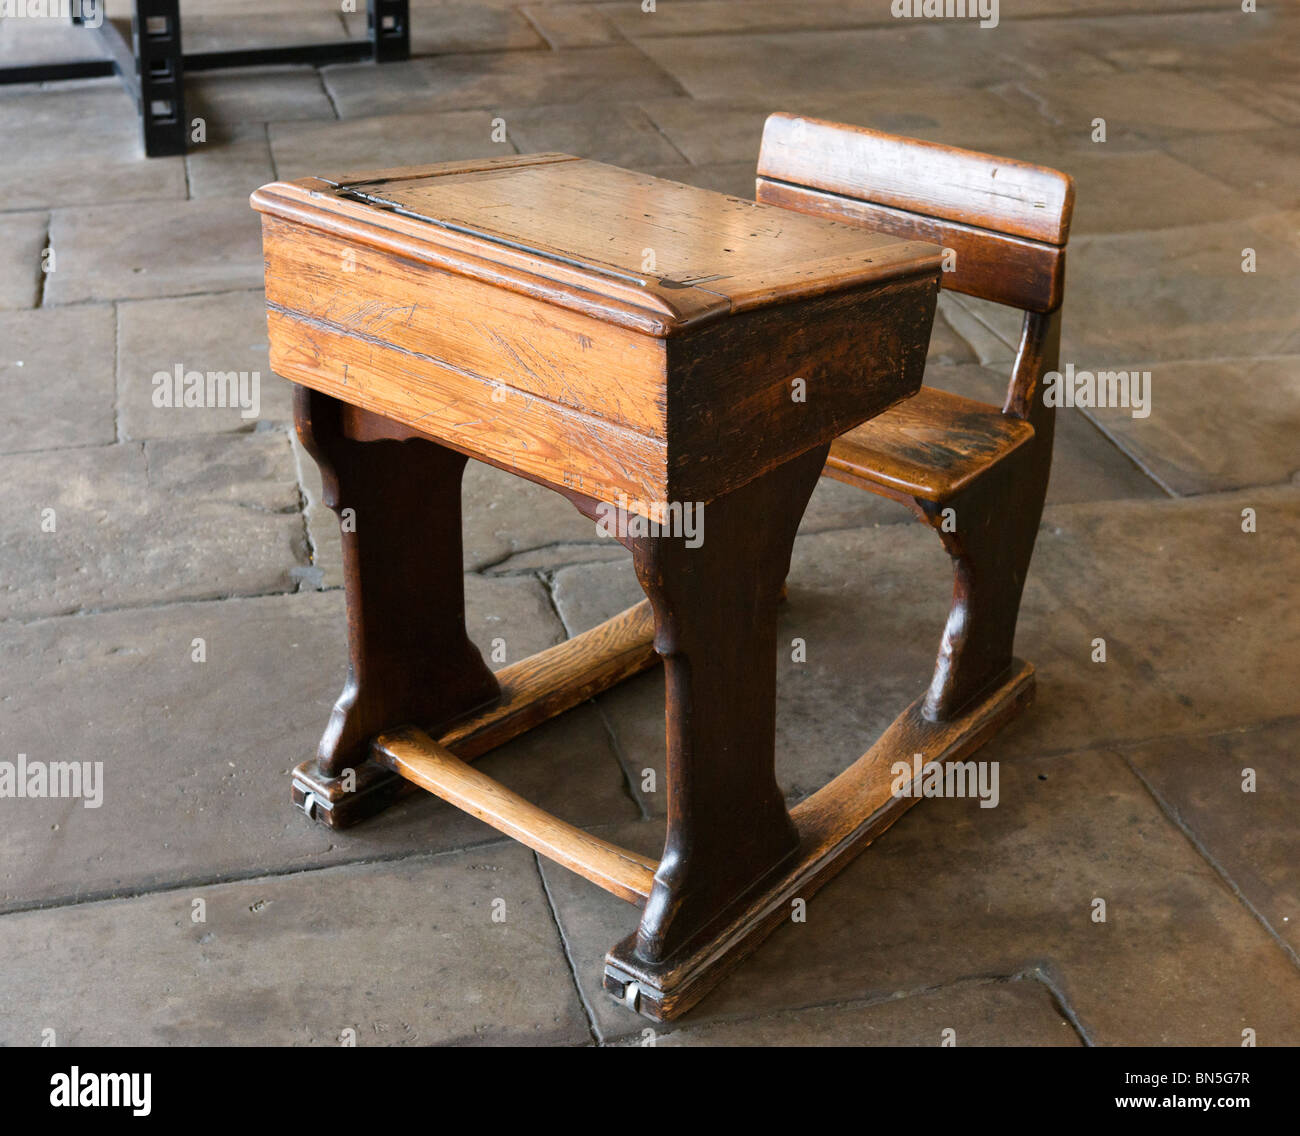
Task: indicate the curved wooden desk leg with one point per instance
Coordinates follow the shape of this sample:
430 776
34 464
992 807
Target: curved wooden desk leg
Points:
991 545
715 620
409 657
997 519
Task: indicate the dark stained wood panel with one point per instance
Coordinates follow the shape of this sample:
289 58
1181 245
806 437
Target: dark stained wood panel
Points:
929 446
988 192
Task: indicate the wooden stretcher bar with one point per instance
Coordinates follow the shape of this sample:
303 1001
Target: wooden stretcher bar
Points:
532 690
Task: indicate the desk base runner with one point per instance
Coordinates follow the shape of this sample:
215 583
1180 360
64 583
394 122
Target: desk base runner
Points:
835 824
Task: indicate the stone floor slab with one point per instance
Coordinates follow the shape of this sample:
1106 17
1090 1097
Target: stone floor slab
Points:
443 28
23 238
954 891
234 160
32 42
1190 446
742 17
197 755
222 333
727 130
382 142
69 128
215 30
426 963
1014 1012
572 25
1279 98
1251 835
1101 8
776 65
992 330
123 252
498 79
1206 44
56 384
147 523
1258 162
506 516
1194 611
734 178
620 135
257 94
1149 104
1135 299
1119 190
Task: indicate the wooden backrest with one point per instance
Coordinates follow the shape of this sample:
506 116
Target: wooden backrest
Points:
1007 222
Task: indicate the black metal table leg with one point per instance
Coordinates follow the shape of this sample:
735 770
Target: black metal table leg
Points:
389 25
157 35
151 61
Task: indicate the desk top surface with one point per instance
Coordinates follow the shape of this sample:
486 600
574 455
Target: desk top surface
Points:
656 253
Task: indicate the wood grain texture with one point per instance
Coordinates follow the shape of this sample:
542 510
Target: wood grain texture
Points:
461 303
998 194
665 237
466 325
715 626
609 335
733 410
930 446
976 476
470 413
642 252
414 755
533 690
992 542
409 660
557 679
1007 270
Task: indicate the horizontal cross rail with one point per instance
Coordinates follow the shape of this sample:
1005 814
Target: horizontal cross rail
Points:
424 762
547 684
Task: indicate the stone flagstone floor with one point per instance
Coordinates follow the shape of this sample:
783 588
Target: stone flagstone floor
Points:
1123 783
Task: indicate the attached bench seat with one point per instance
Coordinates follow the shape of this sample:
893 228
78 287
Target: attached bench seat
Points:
930 447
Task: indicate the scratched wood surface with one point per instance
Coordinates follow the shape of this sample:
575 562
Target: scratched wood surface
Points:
1002 195
661 236
1007 222
592 328
930 446
414 755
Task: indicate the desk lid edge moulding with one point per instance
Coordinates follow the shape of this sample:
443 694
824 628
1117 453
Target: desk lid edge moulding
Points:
611 256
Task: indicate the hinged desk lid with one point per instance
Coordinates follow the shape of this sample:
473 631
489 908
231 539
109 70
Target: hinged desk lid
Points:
647 253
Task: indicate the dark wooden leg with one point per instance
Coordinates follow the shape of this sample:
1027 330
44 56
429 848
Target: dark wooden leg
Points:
410 660
996 524
388 23
715 619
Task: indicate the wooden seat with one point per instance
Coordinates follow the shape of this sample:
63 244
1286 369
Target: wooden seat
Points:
931 446
977 474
